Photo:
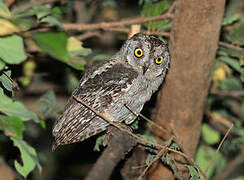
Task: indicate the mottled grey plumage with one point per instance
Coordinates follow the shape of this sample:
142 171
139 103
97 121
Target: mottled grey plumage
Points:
130 77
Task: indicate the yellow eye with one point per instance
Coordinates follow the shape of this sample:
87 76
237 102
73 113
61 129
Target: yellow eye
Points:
159 60
138 52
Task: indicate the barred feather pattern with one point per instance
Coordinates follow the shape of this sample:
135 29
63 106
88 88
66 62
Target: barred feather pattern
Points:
99 91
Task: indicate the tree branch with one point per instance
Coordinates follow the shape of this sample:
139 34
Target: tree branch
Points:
104 25
119 145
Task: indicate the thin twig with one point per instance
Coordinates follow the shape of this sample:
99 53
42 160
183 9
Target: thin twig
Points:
118 126
232 93
232 46
159 154
147 119
214 156
88 35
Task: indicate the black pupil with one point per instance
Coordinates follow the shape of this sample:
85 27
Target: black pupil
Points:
159 59
139 52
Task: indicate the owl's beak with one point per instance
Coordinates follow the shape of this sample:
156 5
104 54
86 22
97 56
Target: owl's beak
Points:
145 68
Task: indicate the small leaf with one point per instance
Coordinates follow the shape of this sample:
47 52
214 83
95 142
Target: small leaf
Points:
52 21
28 156
174 146
41 10
236 36
7 27
75 48
47 103
28 70
233 63
76 52
12 126
193 173
99 142
4 11
2 65
12 49
230 18
210 135
149 138
231 84
149 158
15 108
52 43
5 80
135 124
169 159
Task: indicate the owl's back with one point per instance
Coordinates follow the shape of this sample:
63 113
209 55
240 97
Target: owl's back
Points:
101 88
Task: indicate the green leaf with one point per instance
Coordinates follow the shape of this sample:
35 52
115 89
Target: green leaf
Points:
24 23
41 10
15 108
150 10
236 36
210 135
193 172
28 156
149 138
149 158
12 126
4 11
47 103
204 155
12 49
230 18
52 21
52 43
169 159
233 63
2 65
174 146
76 53
5 80
135 124
75 48
99 142
231 84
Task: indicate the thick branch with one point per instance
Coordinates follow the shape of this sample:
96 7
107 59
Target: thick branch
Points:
119 145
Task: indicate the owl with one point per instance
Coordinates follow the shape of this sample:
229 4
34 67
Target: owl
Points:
127 79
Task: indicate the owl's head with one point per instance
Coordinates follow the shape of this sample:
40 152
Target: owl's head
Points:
147 54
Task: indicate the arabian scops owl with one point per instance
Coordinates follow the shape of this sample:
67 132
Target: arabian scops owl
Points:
129 77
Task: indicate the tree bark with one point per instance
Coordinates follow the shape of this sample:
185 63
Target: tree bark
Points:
119 145
193 44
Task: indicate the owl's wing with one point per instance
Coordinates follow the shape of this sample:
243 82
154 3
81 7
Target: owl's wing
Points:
100 87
